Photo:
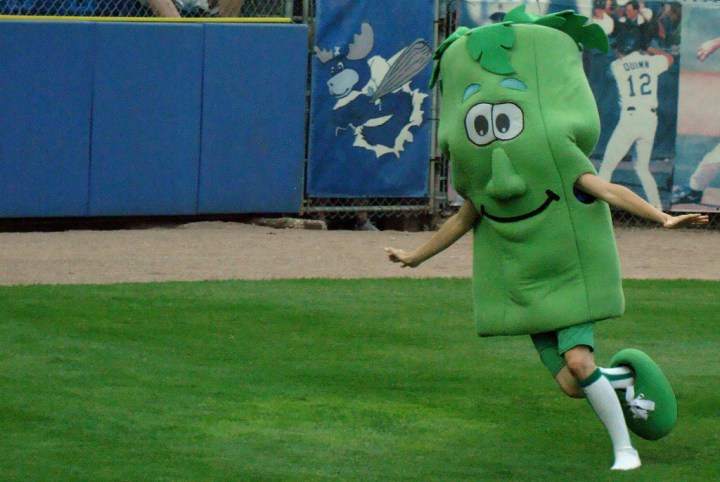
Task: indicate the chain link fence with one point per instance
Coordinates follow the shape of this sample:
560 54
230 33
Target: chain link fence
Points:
389 212
297 9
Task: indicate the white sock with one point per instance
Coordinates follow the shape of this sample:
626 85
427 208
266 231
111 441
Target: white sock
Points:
604 401
620 377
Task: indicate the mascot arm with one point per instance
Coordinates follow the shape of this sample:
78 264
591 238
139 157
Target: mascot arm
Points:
620 197
452 230
623 198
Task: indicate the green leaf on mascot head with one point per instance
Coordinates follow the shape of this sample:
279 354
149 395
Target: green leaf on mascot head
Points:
594 37
586 35
441 50
446 43
490 45
492 51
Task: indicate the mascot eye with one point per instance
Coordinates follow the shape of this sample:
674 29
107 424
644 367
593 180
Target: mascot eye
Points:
508 121
340 67
478 124
502 123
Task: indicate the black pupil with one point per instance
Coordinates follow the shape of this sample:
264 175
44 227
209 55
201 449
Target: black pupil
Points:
481 125
502 122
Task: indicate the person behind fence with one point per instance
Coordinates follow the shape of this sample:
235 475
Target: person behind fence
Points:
709 167
518 128
669 25
180 8
363 222
602 16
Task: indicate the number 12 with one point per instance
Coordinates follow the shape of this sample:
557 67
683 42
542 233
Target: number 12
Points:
644 85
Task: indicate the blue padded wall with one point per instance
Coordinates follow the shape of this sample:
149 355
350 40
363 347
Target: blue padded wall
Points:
146 119
253 137
45 102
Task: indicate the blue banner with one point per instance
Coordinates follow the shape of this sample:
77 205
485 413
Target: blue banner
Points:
370 102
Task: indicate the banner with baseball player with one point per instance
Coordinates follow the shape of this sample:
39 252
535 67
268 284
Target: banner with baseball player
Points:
635 86
370 127
660 130
697 165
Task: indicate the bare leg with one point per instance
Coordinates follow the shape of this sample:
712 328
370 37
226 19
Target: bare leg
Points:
707 170
568 384
617 147
642 167
601 395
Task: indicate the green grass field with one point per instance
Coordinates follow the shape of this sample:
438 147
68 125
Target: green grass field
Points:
320 380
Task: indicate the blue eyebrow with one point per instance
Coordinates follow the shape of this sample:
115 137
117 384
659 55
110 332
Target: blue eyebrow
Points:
514 84
470 90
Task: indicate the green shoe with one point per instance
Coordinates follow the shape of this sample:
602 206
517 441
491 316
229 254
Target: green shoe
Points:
649 405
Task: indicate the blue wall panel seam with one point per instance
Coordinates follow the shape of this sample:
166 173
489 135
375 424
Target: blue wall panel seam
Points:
91 114
200 133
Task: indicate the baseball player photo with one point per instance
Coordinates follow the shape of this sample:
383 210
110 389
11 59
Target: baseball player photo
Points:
709 167
636 73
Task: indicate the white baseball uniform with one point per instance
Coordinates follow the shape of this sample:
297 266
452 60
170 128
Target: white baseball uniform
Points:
636 76
706 171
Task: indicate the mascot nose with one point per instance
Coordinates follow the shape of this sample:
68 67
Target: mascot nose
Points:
505 183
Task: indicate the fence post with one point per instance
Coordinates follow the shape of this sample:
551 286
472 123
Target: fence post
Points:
306 11
289 8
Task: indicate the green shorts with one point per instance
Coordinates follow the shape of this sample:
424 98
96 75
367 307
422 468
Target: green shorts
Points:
551 345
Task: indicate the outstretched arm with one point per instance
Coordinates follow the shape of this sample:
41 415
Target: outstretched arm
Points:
707 48
453 229
623 198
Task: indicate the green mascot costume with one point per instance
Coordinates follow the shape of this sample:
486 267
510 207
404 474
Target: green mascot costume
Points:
518 121
518 126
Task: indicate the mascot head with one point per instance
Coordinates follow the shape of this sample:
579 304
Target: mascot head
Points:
515 107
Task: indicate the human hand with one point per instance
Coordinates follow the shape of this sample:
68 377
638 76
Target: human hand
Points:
685 220
404 258
707 48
